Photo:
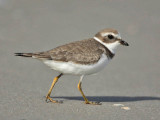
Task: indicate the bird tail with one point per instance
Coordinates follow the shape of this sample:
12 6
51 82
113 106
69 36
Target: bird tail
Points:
24 54
39 55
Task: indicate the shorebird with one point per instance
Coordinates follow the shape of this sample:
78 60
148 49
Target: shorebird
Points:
81 58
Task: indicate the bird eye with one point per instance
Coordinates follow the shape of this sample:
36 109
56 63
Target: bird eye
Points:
110 36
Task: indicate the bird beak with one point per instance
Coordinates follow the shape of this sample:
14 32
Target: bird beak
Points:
124 43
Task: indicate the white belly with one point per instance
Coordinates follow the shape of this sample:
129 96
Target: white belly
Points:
77 69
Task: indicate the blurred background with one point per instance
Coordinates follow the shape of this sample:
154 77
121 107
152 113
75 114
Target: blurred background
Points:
132 77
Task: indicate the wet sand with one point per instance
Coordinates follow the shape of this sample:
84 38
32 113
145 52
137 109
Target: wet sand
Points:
129 87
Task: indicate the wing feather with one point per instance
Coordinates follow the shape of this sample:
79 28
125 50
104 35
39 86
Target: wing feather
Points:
82 52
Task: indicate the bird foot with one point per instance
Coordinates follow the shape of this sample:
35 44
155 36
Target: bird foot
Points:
93 103
49 99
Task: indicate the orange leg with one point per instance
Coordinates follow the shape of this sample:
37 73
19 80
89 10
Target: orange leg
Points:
50 90
86 100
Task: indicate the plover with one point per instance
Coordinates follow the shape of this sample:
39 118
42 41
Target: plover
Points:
81 58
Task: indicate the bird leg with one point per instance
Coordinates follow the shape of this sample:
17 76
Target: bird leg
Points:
50 90
86 100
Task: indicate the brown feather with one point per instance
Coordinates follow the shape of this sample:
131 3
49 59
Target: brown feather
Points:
87 51
83 52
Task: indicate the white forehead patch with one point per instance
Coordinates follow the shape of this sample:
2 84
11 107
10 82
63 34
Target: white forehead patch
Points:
111 33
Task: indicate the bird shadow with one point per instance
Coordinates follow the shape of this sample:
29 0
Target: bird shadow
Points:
110 98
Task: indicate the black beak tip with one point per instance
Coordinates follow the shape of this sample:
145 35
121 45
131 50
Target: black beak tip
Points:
124 43
127 44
